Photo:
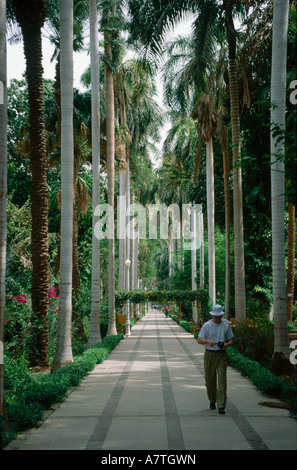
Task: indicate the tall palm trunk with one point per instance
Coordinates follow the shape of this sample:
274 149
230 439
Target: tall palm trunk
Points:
77 319
278 97
110 153
122 225
63 353
135 258
194 259
239 265
95 333
201 248
223 136
211 220
291 261
31 25
207 117
171 252
3 195
122 154
128 231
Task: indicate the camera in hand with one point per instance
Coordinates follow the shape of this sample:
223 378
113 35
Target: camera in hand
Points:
221 344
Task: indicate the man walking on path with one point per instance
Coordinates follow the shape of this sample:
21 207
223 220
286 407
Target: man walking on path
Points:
216 335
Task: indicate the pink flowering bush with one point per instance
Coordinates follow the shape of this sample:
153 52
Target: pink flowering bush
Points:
18 320
53 300
21 298
52 295
52 291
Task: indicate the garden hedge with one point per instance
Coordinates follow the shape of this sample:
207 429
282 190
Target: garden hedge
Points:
28 395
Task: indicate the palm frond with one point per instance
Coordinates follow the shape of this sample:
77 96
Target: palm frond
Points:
205 35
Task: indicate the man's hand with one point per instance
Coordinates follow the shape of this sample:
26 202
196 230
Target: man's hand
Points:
226 345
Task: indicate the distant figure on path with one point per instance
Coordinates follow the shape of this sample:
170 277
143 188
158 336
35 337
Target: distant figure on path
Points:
166 311
216 335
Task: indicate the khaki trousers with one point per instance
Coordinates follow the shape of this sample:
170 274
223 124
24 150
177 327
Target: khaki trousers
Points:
215 368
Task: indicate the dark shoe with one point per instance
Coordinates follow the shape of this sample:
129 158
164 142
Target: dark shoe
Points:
212 406
221 411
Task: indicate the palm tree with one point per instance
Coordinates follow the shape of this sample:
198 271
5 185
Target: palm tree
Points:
52 30
3 195
239 266
110 154
123 155
194 259
137 115
207 116
63 353
181 75
280 361
31 16
223 137
122 223
291 163
291 260
150 21
80 205
95 334
187 61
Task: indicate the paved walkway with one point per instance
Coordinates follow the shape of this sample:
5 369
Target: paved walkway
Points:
150 394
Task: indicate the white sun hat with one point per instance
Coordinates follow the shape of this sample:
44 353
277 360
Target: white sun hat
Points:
217 311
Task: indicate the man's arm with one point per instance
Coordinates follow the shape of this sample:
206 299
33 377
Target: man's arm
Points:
206 341
213 343
229 343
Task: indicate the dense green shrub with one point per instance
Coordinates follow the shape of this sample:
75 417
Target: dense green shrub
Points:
15 372
255 342
24 415
260 302
27 395
264 379
185 325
